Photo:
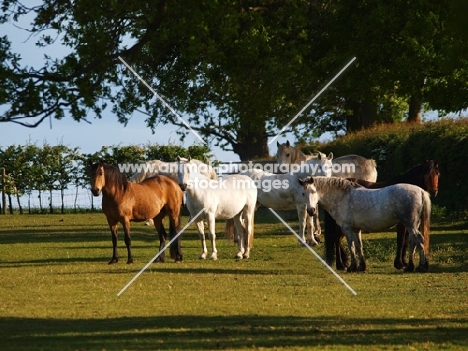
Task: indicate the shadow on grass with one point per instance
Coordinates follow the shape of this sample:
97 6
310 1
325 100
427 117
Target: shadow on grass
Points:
230 332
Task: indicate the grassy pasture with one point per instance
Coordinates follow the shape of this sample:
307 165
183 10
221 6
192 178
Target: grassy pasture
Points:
57 292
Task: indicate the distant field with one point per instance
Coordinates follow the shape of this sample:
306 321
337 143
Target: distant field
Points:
57 292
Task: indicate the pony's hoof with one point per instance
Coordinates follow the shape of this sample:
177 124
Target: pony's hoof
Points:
409 267
214 257
362 269
130 260
424 268
398 264
317 238
352 269
246 256
114 261
160 259
238 257
202 256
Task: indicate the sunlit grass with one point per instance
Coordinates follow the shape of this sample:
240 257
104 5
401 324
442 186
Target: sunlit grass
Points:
58 292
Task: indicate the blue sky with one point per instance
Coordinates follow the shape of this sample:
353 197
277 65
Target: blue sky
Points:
88 137
106 131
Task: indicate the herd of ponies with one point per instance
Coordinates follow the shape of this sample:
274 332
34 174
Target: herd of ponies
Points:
351 198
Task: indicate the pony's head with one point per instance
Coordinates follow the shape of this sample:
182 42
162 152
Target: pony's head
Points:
310 194
97 177
284 153
186 171
326 164
431 178
289 155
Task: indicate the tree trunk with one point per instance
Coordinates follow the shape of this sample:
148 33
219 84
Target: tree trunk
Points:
368 113
10 204
415 107
19 203
353 121
51 209
364 115
252 142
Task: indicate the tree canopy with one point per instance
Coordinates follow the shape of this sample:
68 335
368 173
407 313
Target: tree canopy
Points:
238 71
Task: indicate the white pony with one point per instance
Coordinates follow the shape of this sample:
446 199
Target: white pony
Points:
283 192
356 208
157 167
232 196
295 161
349 166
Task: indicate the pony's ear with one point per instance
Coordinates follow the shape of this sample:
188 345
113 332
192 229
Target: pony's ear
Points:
287 143
301 182
178 158
90 163
330 156
189 158
277 143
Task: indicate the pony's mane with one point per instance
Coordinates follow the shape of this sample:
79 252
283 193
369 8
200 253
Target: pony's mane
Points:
415 174
326 183
113 175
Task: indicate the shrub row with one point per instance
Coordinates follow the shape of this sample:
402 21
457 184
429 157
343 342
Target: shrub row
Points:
398 147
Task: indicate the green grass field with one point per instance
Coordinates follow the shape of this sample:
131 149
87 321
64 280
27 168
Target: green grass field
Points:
57 292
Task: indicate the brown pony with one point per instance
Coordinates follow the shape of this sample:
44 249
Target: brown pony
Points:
124 201
425 175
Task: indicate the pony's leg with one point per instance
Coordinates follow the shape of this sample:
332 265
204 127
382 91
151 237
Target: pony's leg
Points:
353 244
342 259
113 229
128 240
416 240
400 258
158 224
174 229
248 232
201 233
362 262
331 244
318 229
240 229
302 216
312 240
306 222
212 233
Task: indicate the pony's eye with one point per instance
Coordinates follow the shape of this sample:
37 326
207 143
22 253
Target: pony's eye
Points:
287 155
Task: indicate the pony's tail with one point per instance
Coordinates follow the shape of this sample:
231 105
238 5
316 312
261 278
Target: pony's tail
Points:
230 230
330 239
426 220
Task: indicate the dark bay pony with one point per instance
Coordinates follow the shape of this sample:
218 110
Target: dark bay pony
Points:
124 201
425 175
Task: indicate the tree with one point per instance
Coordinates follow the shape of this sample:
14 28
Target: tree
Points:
237 71
408 58
244 61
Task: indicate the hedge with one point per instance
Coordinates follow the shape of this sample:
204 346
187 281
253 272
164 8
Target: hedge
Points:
398 147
